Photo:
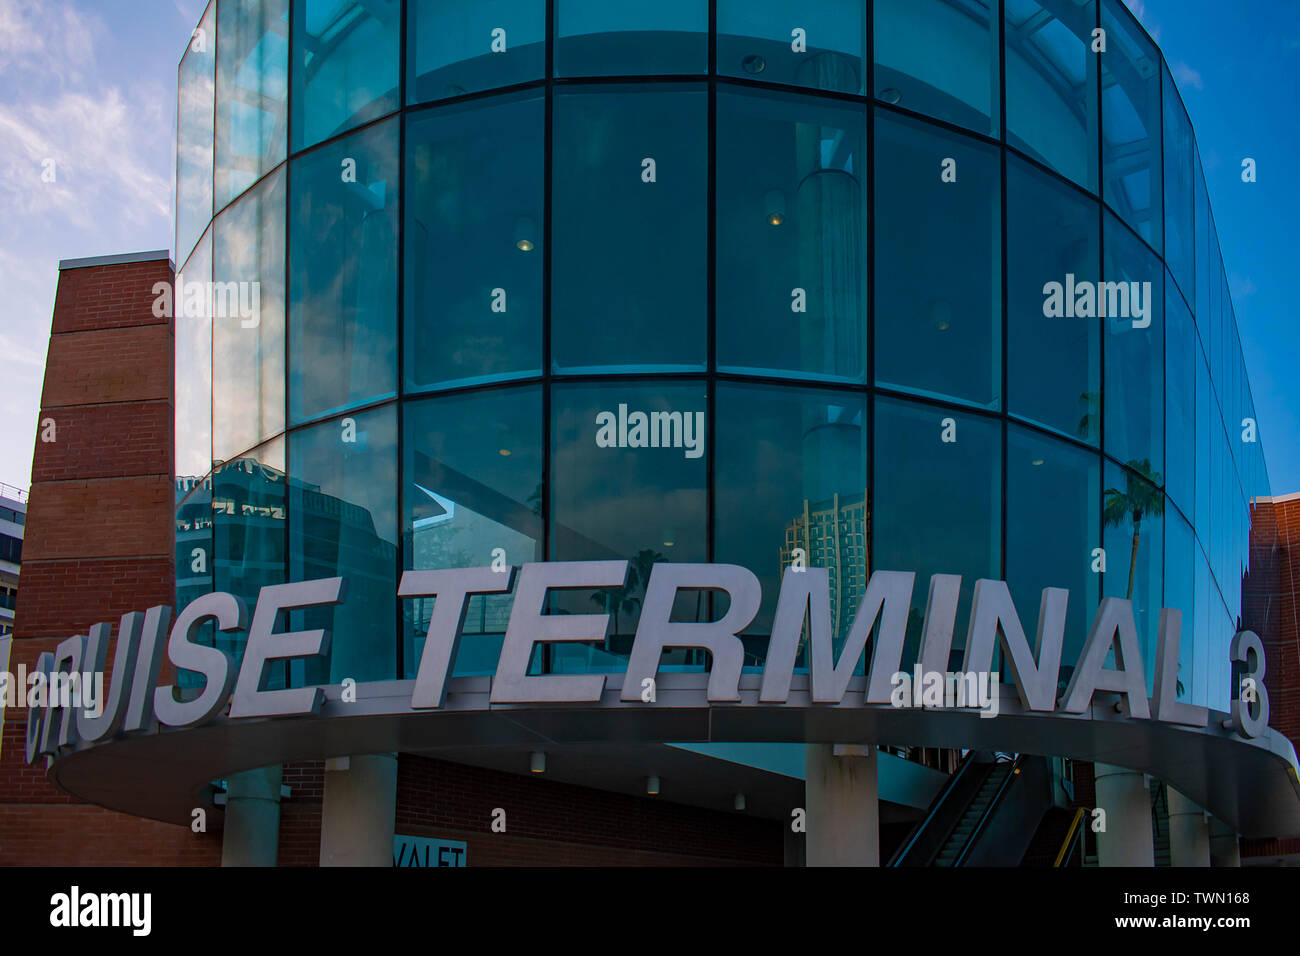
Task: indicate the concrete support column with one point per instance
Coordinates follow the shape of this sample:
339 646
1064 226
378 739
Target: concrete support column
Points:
841 790
1189 833
1127 839
1224 848
251 834
358 811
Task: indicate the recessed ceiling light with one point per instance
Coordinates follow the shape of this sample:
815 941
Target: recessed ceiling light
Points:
891 96
504 452
753 64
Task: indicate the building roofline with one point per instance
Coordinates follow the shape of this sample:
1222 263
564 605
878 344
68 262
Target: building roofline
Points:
119 259
1278 499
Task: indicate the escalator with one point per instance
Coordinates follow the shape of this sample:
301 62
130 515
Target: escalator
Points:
986 815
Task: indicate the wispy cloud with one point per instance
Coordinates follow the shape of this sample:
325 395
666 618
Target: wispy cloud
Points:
1242 286
86 114
1144 17
1186 77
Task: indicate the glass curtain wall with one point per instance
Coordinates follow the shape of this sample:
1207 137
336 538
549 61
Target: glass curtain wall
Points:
922 285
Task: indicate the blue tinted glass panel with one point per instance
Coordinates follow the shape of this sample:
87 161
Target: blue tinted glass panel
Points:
629 198
1133 512
1181 555
252 92
1053 525
343 522
248 320
821 45
1053 352
791 473
1180 192
1052 85
248 515
343 274
194 111
1133 301
463 46
194 564
792 263
628 473
193 308
938 288
1201 647
598 38
1207 426
474 197
1180 430
471 493
1201 304
942 514
940 58
1130 109
345 65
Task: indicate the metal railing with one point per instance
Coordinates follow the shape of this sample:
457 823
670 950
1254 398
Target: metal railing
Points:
13 493
1072 838
1012 773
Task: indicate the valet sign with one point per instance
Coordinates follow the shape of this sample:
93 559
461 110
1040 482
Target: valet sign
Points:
134 703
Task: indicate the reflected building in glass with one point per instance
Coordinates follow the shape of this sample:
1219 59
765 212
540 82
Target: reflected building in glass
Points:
808 244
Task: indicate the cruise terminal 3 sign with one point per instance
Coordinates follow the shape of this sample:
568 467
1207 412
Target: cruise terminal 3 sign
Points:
152 749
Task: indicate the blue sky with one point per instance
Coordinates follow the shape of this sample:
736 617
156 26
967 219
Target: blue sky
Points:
1238 67
92 85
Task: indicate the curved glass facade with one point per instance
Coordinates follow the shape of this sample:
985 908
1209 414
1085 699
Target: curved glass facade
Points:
681 280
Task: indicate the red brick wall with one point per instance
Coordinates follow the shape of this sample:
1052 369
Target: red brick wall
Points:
300 813
98 543
1270 608
552 823
103 518
107 441
547 823
109 297
103 588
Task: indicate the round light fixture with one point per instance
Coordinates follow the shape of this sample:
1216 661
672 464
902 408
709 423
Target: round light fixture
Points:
891 96
754 64
503 452
652 786
941 314
774 207
525 231
537 762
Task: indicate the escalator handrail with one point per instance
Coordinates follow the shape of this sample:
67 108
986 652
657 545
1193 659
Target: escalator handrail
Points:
1068 843
989 810
967 762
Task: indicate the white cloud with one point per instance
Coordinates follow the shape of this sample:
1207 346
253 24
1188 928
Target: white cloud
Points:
1139 10
1186 77
54 40
1242 286
64 97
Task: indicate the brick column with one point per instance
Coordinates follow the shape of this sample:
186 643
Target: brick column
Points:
98 538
